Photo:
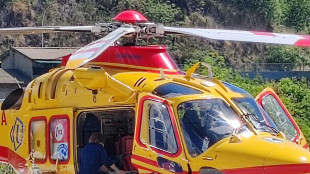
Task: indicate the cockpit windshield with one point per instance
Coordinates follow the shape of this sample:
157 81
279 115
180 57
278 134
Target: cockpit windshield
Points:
205 122
259 118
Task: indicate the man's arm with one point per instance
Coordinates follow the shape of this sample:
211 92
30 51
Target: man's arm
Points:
104 169
117 170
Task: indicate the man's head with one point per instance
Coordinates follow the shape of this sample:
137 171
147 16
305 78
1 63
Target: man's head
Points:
96 137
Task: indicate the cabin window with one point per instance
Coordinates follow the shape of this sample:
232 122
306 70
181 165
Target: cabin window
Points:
38 139
161 134
59 139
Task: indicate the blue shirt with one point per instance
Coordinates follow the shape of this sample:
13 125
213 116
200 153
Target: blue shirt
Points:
92 158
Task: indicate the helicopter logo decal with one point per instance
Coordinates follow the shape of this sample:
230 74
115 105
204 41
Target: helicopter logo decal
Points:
130 56
17 132
59 132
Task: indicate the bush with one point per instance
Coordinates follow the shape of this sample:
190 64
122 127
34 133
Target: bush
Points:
6 168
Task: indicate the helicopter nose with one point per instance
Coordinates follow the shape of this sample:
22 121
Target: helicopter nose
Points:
288 159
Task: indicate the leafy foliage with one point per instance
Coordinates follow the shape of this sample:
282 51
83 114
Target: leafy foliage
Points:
290 13
162 12
297 14
287 57
6 169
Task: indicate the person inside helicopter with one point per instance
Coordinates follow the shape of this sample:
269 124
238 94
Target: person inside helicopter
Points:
94 158
204 122
194 133
214 124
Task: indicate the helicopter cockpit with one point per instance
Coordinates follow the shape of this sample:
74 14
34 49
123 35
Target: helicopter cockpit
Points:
259 118
254 112
206 120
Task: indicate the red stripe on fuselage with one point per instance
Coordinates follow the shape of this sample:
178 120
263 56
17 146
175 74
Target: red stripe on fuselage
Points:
274 169
4 154
144 168
11 157
306 146
148 161
145 160
288 169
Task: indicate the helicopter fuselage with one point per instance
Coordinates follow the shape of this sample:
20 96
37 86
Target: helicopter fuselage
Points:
137 95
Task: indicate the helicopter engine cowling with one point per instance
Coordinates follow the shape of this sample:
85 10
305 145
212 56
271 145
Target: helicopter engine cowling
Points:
91 78
97 78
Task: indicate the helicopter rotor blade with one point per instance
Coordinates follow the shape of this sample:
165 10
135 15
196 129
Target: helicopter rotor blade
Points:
246 36
94 49
49 29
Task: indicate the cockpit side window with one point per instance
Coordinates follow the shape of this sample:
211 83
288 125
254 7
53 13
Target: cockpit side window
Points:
161 134
279 116
256 115
173 90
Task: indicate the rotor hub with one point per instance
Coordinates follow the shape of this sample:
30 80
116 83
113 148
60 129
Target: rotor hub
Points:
130 17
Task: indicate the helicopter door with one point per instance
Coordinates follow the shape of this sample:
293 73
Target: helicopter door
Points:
157 146
272 104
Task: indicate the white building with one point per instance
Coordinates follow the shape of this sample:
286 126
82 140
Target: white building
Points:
26 63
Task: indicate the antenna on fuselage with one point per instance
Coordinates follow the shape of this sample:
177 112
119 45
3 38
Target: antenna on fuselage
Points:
191 70
210 73
162 74
17 82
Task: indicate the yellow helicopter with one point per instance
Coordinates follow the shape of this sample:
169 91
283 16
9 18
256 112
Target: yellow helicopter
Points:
157 118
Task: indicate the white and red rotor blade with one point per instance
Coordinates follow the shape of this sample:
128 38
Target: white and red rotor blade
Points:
245 36
94 49
48 29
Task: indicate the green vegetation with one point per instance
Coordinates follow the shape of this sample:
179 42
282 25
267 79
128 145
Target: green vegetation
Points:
289 13
6 169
